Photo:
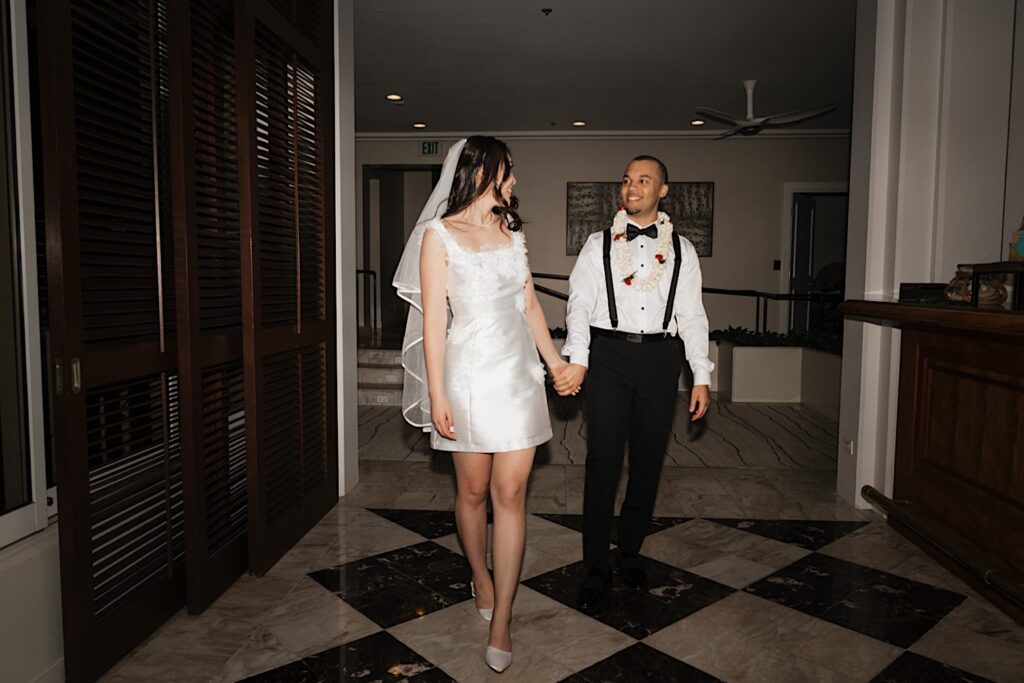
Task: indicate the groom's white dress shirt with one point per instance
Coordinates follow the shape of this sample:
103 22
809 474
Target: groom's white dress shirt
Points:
638 311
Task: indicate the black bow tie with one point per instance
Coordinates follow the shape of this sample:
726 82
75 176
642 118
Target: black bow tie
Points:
632 232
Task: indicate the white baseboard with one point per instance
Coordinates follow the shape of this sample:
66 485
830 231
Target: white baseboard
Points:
55 674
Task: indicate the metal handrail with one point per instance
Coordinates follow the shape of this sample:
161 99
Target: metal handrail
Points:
761 299
547 290
550 276
372 274
551 292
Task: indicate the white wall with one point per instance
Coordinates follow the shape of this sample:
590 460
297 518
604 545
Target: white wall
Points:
926 188
1013 216
975 106
31 640
748 174
346 232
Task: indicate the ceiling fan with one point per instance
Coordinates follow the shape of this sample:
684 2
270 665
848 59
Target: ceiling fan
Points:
752 125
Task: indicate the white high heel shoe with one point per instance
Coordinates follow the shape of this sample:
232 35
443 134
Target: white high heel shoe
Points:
498 660
485 613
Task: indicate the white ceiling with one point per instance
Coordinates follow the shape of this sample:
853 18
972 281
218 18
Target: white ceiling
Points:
640 65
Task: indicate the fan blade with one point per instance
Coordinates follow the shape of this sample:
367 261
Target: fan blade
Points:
727 134
789 118
718 116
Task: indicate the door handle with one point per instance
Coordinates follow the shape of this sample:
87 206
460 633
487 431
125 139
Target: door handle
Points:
76 376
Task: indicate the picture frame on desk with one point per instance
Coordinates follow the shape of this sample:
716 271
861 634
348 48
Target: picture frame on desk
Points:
924 293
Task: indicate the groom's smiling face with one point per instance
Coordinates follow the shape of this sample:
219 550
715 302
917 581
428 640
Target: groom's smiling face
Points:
642 188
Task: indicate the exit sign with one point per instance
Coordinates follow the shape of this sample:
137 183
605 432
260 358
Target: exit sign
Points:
430 148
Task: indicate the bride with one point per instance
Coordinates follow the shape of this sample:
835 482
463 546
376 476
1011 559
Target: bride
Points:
478 384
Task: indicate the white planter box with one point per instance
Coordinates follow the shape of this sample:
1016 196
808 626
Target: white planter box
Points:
819 384
779 374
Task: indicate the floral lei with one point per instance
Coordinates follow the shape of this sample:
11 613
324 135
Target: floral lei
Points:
624 263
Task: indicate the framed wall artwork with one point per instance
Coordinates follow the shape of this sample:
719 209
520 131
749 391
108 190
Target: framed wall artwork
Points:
591 206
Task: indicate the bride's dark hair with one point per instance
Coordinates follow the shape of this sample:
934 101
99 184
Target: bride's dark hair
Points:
492 156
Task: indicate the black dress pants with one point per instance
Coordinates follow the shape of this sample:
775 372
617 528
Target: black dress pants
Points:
631 396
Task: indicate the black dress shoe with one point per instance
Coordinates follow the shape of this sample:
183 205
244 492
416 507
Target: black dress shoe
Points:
633 573
594 589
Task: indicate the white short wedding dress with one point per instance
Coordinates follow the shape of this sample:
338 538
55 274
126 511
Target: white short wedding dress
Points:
493 375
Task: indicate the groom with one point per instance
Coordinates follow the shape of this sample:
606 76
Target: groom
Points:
635 290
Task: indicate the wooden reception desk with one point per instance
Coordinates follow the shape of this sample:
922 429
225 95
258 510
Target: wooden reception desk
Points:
959 466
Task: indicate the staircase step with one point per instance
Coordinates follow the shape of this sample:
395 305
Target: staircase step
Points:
379 357
385 375
380 395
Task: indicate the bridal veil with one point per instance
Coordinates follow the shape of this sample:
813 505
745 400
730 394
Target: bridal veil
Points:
415 399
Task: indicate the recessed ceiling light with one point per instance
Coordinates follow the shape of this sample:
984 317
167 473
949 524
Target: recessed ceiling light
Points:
697 122
419 124
394 97
579 124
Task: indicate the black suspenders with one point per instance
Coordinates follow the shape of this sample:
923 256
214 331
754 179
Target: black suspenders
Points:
613 313
675 282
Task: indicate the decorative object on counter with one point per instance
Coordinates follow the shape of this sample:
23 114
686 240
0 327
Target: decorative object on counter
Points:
990 288
984 284
1017 243
923 293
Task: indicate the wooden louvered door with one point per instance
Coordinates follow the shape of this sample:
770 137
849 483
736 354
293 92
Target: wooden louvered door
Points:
288 296
110 268
209 280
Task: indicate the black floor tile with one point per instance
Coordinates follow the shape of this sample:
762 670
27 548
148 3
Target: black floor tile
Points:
673 594
426 523
910 667
875 603
811 535
380 657
640 662
575 522
400 585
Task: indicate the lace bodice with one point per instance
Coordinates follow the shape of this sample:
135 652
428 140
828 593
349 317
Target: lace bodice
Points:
487 281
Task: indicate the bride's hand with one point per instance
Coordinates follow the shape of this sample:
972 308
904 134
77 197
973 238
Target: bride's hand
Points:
441 416
558 368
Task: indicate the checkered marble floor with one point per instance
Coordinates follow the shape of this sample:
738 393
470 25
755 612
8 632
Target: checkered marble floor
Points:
382 594
759 573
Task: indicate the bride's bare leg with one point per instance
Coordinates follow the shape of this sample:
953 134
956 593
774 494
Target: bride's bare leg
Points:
473 476
509 474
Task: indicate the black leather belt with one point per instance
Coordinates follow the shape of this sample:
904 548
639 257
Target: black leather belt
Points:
633 337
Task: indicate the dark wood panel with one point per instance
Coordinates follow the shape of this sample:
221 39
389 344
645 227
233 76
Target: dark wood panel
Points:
959 461
285 128
959 458
307 29
978 320
116 433
208 244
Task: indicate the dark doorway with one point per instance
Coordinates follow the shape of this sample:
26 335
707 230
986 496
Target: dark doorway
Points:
393 196
818 258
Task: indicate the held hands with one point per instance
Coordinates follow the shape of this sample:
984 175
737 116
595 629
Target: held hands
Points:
568 381
441 416
699 400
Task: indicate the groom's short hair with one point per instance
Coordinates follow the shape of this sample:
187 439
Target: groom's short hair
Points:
661 167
